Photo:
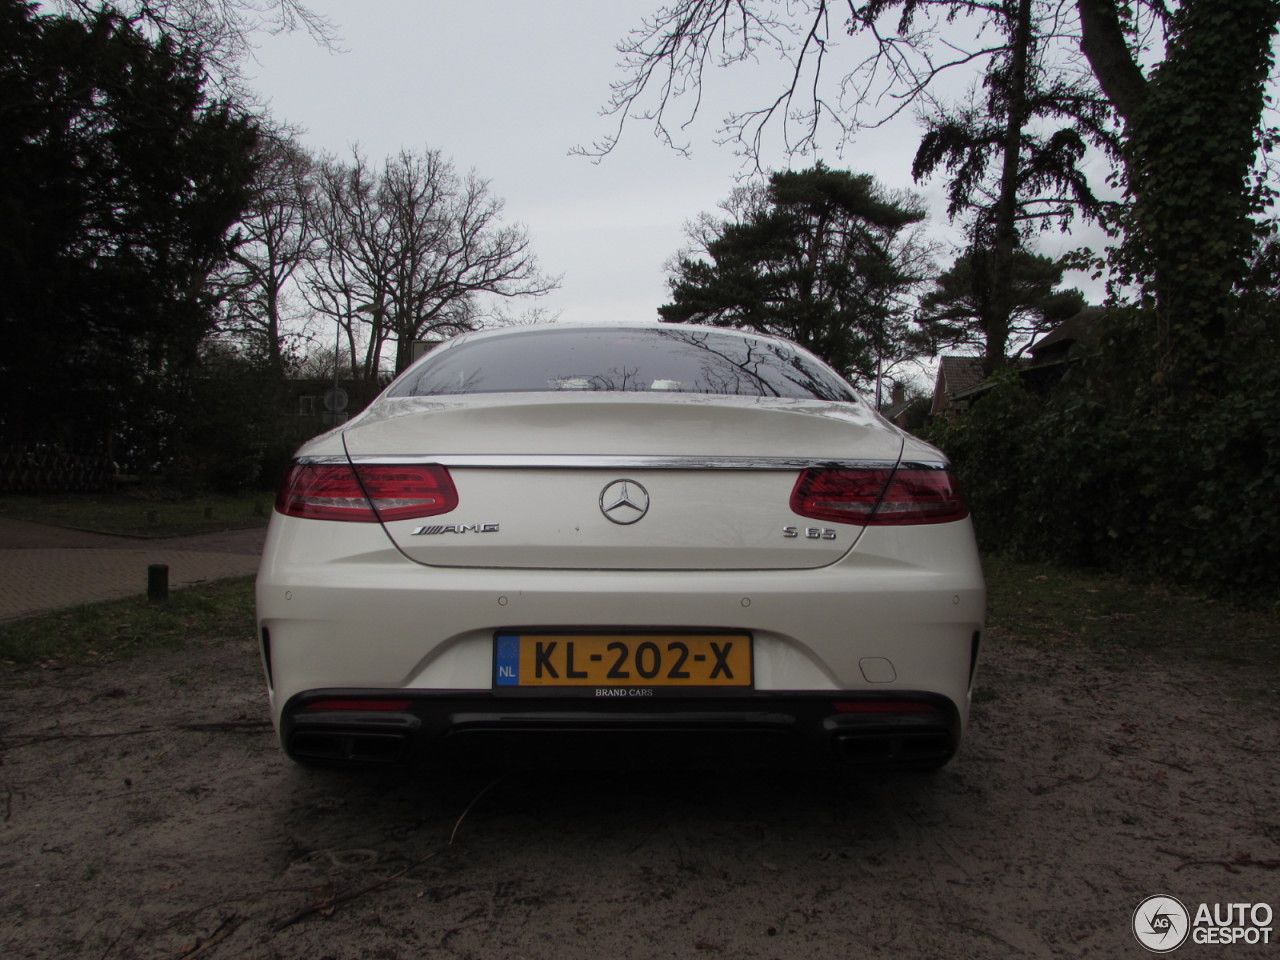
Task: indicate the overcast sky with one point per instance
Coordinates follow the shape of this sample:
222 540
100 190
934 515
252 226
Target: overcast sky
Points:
508 88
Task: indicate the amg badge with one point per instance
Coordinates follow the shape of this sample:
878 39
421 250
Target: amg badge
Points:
439 528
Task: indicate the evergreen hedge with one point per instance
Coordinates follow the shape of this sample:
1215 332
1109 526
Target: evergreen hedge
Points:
1120 467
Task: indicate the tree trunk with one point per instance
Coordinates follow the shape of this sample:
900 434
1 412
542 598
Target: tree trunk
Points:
1006 210
1190 143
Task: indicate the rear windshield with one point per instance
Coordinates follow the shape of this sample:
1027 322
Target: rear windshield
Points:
627 361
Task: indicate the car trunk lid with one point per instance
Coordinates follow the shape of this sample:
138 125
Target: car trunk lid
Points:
576 482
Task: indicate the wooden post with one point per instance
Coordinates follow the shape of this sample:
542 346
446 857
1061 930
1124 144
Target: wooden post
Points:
158 582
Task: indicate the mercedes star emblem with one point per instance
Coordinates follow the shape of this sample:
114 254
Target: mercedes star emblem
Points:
624 501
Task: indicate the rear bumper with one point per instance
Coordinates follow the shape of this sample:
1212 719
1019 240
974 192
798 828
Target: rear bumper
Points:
467 727
342 613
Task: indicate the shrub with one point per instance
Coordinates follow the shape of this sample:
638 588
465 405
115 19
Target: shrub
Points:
1116 468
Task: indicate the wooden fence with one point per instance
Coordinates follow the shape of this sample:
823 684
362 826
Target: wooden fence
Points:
53 471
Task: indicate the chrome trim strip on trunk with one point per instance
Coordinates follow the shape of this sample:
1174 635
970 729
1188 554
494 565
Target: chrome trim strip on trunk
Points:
600 462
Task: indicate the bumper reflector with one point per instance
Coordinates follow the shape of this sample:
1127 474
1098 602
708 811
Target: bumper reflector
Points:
884 706
374 706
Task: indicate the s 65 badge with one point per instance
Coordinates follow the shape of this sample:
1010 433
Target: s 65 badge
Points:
809 533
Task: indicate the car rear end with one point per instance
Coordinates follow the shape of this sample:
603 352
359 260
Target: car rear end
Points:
606 573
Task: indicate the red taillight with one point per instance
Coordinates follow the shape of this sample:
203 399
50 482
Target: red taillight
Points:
324 492
380 492
876 496
405 493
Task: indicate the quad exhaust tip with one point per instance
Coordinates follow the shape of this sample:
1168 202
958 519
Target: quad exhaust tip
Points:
889 748
349 747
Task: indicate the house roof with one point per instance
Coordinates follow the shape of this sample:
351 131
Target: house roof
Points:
1081 328
955 375
895 410
960 373
962 378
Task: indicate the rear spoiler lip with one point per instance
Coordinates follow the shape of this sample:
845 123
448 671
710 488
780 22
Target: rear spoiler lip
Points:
601 462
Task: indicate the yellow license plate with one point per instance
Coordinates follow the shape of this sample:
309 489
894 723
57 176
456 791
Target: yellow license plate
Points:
626 660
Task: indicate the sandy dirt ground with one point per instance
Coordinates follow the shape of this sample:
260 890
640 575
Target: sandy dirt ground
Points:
146 812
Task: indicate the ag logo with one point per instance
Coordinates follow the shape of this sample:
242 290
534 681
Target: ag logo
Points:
1161 924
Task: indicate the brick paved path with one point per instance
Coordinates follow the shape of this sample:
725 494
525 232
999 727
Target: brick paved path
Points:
45 568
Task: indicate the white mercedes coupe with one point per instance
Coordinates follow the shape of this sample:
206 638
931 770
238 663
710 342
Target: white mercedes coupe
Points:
607 542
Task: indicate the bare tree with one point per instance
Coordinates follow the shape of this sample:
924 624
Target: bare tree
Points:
1012 154
278 235
839 70
1011 160
406 252
745 202
1179 85
221 31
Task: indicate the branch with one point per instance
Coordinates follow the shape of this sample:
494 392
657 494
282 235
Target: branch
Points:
328 901
668 55
1103 44
221 32
1231 866
325 904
